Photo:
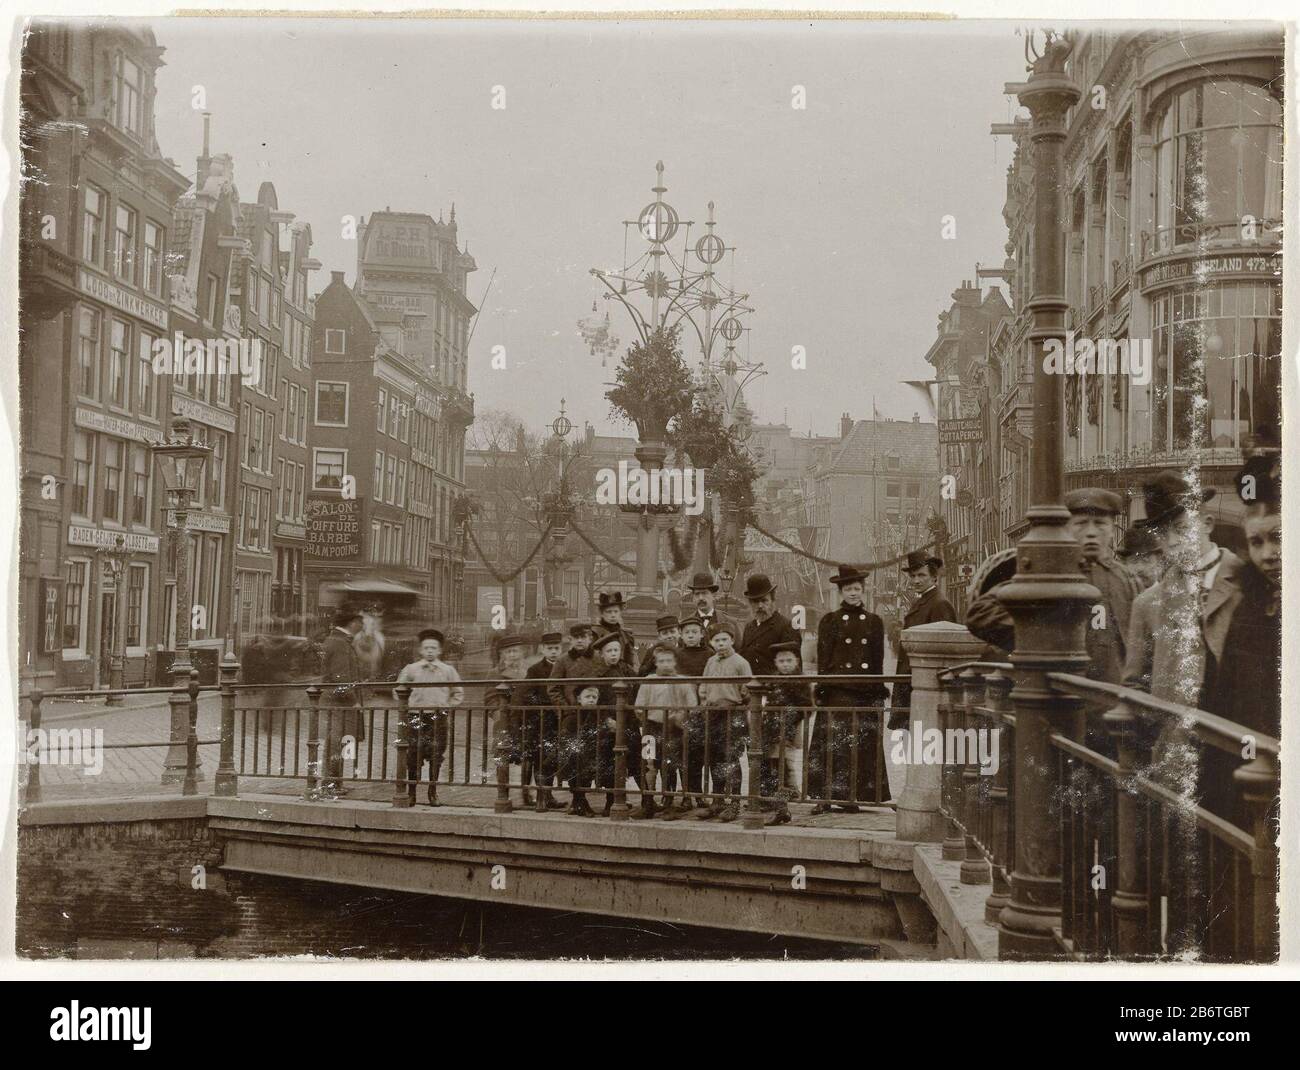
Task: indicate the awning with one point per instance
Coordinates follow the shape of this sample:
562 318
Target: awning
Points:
373 587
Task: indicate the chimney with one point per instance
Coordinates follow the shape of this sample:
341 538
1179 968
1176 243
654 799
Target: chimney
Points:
589 434
916 417
336 276
205 161
846 425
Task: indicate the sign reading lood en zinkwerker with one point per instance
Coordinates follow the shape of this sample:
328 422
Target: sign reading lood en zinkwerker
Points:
333 528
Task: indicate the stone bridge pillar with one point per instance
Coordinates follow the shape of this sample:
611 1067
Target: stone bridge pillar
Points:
930 648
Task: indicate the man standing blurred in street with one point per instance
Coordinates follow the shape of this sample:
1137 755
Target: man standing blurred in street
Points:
340 672
928 606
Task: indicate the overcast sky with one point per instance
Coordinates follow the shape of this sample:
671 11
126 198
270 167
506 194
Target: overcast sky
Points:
835 210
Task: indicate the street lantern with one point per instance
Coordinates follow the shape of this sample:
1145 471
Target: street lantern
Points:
181 461
114 561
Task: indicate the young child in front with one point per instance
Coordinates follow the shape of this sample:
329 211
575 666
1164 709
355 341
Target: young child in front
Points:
609 652
663 702
724 704
437 687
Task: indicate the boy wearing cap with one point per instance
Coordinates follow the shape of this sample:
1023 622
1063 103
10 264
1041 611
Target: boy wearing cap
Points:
663 702
609 649
577 738
1093 511
541 723
724 702
692 656
785 706
669 634
508 718
437 686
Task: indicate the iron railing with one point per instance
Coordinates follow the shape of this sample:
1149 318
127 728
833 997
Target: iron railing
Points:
1151 866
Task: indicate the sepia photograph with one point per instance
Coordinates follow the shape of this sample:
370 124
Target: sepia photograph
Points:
645 490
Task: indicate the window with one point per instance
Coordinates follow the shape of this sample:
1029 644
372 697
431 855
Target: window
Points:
375 532
401 485
327 469
335 340
137 582
252 525
266 249
290 403
88 353
256 460
891 490
277 314
94 207
51 601
892 462
119 368
245 432
332 404
83 464
303 397
216 471
146 392
263 298
1218 159
214 289
273 370
392 415
381 407
280 509
114 448
140 484
912 490
285 428
252 292
223 376
124 244
151 276
379 476
74 605
302 492
390 478
130 97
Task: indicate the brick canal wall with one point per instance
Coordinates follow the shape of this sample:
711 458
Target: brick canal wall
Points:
112 880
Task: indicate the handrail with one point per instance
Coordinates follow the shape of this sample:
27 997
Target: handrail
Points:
1219 729
993 666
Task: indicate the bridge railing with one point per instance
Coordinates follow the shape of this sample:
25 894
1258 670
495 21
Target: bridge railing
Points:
182 697
333 736
1167 819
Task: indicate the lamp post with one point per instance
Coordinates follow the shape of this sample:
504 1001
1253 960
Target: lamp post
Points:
1048 597
114 560
181 461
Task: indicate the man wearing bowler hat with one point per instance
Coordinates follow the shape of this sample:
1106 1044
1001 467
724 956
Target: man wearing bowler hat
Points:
928 606
1176 637
704 593
769 626
850 641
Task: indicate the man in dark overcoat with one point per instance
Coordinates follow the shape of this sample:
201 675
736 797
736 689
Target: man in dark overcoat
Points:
339 699
928 606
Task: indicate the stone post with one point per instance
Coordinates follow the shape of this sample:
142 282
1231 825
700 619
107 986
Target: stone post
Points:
930 648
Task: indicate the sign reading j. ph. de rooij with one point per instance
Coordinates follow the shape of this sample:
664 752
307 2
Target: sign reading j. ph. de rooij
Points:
333 529
955 432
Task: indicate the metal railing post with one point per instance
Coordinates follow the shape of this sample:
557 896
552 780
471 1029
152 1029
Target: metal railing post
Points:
32 793
1258 782
227 780
191 783
753 815
999 689
954 843
403 794
502 757
313 743
974 867
1129 903
619 811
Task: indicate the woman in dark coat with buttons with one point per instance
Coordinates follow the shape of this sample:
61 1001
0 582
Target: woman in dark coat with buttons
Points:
850 641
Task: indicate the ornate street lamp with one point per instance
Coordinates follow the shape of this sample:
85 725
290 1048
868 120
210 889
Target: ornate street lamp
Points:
181 462
115 560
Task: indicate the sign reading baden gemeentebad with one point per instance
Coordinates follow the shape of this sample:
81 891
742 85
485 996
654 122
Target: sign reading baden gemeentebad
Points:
333 529
955 432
